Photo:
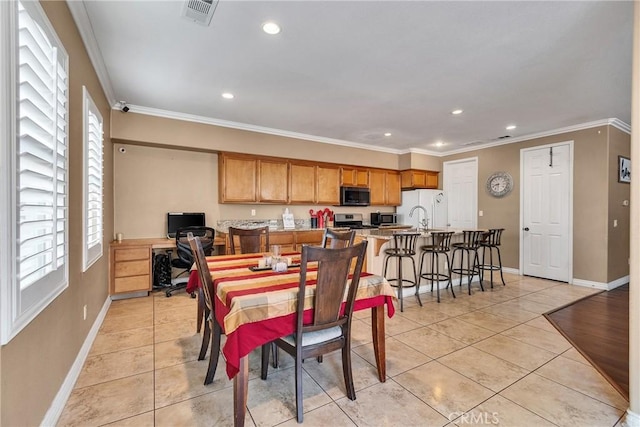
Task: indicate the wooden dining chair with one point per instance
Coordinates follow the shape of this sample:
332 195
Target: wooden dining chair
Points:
212 331
337 239
330 327
251 240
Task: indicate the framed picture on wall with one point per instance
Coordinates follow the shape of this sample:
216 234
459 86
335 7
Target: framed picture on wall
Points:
624 169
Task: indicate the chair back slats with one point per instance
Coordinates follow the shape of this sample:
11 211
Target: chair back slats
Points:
471 238
405 243
441 240
331 284
203 270
337 239
496 235
251 240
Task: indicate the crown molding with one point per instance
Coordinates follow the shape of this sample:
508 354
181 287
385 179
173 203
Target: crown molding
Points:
85 29
619 124
252 128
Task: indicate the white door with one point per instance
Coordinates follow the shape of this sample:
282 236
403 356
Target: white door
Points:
546 211
461 189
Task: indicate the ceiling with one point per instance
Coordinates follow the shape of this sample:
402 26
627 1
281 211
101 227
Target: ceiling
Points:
348 72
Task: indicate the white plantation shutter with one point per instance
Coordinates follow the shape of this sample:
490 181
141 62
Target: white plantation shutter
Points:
93 206
38 181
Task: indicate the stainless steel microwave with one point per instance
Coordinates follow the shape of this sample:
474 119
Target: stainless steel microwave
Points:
379 218
354 196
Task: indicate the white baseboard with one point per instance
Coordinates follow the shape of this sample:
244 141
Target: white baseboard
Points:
511 270
630 419
602 285
55 410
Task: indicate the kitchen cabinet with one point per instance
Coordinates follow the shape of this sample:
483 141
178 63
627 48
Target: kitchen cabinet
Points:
273 181
308 237
302 183
286 240
237 179
414 178
385 187
354 177
328 185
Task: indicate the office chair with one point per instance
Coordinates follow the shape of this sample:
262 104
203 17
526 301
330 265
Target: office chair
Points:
185 257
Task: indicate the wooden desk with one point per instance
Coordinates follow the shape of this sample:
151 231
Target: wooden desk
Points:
255 307
130 265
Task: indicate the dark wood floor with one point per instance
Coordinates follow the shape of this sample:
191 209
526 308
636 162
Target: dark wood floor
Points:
598 326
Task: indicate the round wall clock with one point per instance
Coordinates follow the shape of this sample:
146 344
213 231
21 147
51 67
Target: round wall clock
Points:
500 184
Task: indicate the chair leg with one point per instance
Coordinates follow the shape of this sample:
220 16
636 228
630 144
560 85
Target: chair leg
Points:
450 265
299 408
470 269
476 266
416 279
200 310
500 264
215 352
400 281
274 350
346 370
205 337
264 367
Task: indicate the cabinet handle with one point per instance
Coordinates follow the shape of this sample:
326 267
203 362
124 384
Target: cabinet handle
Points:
526 229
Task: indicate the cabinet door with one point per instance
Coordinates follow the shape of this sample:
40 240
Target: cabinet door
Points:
302 183
431 179
393 190
328 185
377 186
354 177
237 179
273 181
412 179
311 237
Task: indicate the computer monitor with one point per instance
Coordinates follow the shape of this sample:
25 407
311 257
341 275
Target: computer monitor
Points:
176 220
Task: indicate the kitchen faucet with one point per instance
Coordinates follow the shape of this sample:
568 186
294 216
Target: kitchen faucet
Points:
425 222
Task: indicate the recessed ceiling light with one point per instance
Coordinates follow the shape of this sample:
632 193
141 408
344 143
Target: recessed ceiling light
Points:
387 134
271 28
227 95
511 127
439 144
456 112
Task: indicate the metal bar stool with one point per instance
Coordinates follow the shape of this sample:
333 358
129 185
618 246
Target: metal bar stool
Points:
440 245
491 241
404 246
468 247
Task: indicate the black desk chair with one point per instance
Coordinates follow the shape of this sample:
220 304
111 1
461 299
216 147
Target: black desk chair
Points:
185 258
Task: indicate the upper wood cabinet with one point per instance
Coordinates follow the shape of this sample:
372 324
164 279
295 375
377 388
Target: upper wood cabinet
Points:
237 179
273 181
328 185
385 187
415 178
354 177
302 183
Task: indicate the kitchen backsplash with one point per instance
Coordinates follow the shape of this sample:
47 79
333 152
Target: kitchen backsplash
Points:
273 224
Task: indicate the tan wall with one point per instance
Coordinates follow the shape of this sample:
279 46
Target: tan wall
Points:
590 198
140 128
35 363
618 248
151 181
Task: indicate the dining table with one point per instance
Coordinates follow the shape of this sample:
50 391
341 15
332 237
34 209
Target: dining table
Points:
254 305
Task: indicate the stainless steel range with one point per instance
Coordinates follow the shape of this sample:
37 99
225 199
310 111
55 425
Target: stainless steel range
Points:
350 220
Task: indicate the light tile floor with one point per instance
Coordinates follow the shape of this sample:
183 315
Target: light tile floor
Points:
485 359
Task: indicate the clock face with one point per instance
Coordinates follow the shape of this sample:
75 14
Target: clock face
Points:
499 184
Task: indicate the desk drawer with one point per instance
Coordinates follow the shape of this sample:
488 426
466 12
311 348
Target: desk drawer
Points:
131 268
132 284
132 254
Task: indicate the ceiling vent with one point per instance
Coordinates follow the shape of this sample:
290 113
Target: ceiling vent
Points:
199 11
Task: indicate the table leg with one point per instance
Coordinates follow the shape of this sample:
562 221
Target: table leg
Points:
240 389
377 329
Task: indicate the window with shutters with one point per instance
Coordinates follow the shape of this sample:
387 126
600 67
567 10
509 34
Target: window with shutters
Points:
93 150
34 164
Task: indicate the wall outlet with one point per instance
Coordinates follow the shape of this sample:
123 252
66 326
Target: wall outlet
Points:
253 212
84 312
480 213
615 222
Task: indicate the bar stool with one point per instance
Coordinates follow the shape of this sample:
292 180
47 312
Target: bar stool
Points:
469 248
491 241
440 245
404 246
